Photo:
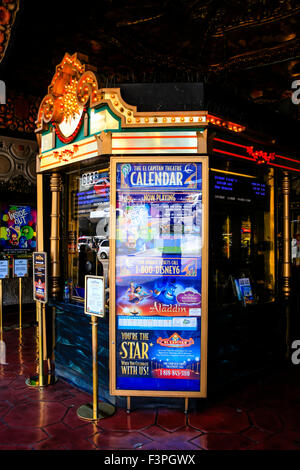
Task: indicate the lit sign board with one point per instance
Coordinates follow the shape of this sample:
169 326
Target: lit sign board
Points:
158 300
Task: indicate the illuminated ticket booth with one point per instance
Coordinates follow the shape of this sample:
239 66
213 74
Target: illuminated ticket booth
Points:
177 210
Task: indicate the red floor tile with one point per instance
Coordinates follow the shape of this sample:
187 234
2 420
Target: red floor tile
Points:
264 415
12 435
36 414
166 440
267 419
115 440
171 419
61 436
213 441
280 441
219 419
122 421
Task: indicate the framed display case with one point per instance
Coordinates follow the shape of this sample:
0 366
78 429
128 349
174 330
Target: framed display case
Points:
158 276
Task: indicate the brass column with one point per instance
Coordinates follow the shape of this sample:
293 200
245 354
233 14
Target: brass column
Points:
286 271
55 188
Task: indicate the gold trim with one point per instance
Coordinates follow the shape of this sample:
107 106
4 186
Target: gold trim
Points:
204 273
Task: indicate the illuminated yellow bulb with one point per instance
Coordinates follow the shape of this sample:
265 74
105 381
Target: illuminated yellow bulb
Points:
137 120
129 120
182 119
164 119
191 119
172 119
146 119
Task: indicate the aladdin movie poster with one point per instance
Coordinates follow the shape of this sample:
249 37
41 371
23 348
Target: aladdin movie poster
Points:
158 276
17 229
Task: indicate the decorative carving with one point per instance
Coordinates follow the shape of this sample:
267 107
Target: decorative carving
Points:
66 155
8 12
16 156
70 90
19 112
104 143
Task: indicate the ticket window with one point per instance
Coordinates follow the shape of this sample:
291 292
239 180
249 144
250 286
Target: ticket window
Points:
242 237
87 221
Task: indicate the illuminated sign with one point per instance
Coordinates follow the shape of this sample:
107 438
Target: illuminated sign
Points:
40 284
158 304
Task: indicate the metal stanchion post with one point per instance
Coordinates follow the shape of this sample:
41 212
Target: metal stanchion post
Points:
95 411
20 302
41 380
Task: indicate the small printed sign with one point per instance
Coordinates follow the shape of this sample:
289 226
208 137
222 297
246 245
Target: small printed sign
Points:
40 285
20 267
94 300
4 269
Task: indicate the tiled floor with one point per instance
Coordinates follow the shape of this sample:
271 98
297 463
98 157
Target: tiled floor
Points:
264 415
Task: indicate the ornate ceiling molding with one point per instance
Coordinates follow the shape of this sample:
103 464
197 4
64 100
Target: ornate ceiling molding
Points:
8 12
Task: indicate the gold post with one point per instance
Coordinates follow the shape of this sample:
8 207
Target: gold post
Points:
41 355
186 405
94 411
128 405
95 365
286 274
41 379
55 188
20 302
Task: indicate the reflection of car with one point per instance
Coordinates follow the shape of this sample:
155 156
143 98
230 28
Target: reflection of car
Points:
84 240
103 250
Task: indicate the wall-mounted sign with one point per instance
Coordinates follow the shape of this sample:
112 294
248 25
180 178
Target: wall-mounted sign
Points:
94 299
4 269
158 297
20 267
40 284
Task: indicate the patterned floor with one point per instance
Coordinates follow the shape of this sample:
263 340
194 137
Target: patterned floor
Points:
264 415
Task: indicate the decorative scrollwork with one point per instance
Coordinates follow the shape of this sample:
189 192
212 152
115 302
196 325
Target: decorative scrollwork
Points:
70 90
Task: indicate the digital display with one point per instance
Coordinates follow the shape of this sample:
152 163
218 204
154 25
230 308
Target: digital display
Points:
238 188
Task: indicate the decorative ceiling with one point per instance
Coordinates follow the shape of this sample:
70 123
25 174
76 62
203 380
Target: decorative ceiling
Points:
251 47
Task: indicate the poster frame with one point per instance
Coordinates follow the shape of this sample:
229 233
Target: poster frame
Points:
86 295
27 267
6 261
34 255
204 160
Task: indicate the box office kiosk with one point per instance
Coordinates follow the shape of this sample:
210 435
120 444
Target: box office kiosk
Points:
177 208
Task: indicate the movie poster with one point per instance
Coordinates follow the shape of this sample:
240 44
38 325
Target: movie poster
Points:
40 291
17 229
158 276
